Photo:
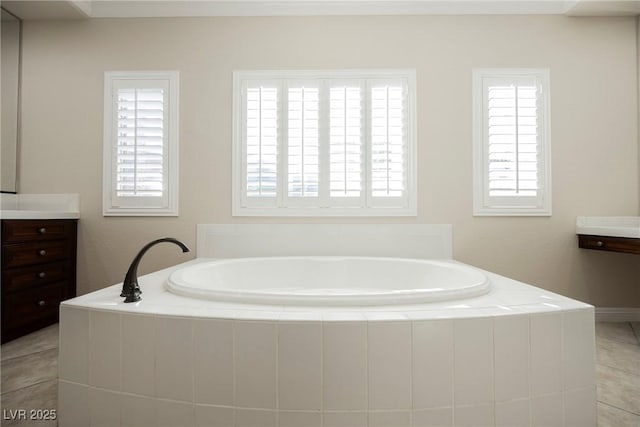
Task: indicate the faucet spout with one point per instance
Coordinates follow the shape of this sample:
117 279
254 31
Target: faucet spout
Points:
130 288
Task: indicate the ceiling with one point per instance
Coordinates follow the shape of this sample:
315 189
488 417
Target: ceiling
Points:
87 9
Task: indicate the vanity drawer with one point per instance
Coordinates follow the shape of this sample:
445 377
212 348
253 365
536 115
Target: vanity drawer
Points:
24 307
17 255
606 243
23 277
25 230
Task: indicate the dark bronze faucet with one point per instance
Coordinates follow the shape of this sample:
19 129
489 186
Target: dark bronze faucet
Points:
130 288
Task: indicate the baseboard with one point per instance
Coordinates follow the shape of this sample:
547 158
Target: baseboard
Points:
614 314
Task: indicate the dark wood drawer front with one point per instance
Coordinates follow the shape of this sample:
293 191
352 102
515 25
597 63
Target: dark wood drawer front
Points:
35 253
23 277
24 230
24 307
613 244
38 272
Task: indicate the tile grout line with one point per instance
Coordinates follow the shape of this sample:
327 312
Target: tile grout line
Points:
28 354
618 408
635 332
29 386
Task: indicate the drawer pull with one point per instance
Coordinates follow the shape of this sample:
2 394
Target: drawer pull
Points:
41 303
42 275
42 252
42 230
599 243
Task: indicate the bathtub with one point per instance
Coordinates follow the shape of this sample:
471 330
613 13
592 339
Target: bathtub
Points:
328 281
325 325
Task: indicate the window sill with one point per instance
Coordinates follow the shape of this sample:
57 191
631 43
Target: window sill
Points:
140 212
512 212
324 212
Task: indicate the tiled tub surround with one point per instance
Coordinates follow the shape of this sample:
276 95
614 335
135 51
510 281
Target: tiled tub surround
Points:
516 356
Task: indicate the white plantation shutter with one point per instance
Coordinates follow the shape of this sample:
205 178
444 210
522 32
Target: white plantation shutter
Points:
261 141
388 139
512 152
323 143
140 173
140 161
346 140
303 140
513 139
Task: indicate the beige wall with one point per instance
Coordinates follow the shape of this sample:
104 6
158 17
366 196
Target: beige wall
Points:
594 127
10 73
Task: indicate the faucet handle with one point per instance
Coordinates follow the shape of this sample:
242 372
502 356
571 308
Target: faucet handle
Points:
134 295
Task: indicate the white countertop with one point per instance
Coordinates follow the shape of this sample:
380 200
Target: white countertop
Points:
612 226
39 206
23 214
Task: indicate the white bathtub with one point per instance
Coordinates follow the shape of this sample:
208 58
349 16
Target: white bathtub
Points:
329 281
510 354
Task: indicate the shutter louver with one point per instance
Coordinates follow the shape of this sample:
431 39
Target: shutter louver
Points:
345 141
303 149
140 143
262 141
513 140
387 141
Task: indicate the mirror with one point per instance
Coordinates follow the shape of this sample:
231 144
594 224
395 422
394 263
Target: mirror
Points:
10 89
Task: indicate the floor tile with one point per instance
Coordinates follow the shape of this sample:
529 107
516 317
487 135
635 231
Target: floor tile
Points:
618 388
616 331
609 416
636 329
28 370
43 396
44 339
619 355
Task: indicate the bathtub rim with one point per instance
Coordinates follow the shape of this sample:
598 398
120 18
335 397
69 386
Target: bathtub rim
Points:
507 297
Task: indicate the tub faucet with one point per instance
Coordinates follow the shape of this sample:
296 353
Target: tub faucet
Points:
130 288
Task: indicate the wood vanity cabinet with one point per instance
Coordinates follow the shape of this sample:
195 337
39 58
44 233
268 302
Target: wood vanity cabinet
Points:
38 272
611 244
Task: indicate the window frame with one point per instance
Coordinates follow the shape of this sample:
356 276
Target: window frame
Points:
483 203
278 208
167 205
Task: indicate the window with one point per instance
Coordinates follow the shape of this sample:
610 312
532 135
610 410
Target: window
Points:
140 144
317 143
512 167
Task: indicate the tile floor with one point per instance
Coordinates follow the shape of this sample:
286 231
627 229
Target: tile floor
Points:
29 371
618 374
30 376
